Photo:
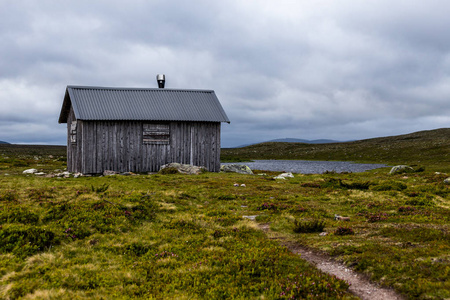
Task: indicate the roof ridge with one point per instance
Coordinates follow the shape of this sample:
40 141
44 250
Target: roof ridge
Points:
136 89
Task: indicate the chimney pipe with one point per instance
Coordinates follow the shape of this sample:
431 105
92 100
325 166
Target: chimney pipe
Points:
161 80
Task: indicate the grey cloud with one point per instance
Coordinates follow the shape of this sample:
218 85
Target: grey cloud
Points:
341 70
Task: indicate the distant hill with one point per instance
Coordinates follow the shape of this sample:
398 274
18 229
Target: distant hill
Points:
430 147
293 140
2 142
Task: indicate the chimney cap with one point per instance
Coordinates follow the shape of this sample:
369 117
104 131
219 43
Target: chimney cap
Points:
161 79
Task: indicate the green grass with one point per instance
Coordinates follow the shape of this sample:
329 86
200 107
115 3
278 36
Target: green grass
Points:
183 237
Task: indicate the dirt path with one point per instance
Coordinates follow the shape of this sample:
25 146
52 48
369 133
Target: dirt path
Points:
359 285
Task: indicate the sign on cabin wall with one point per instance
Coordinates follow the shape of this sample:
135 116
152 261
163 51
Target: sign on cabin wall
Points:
156 133
73 132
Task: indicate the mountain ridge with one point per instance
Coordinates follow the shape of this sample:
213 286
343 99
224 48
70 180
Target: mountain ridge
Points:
293 140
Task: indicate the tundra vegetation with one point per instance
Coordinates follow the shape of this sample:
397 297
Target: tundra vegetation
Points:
184 236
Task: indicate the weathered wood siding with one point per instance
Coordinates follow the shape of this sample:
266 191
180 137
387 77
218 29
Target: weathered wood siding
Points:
119 146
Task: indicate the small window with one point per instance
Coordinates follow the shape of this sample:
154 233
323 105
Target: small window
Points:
73 132
156 134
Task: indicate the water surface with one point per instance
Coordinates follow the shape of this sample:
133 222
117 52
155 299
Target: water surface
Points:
308 166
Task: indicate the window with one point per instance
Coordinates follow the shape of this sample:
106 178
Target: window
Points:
156 134
73 132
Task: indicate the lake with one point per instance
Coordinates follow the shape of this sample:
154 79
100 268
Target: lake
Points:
308 166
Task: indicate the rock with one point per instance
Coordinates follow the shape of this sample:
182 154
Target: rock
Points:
253 218
76 175
401 169
39 173
127 173
287 175
109 173
323 234
184 169
447 180
30 171
235 168
280 177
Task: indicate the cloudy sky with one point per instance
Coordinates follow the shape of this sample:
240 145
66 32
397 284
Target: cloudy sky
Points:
306 69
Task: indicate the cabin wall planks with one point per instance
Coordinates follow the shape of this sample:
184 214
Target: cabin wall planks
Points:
121 146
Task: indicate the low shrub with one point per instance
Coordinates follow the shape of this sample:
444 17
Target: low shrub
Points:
100 189
25 241
308 226
389 186
420 201
406 210
168 171
344 231
267 206
8 196
18 215
309 286
338 183
376 217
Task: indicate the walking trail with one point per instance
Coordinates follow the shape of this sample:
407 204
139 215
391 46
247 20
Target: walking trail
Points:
359 285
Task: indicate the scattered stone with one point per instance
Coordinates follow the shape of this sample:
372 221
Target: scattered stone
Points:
262 174
284 176
109 173
243 185
341 218
127 173
39 173
235 168
447 180
323 233
30 171
236 184
287 175
76 175
184 169
401 169
253 218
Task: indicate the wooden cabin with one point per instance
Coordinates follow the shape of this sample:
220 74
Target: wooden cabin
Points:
139 130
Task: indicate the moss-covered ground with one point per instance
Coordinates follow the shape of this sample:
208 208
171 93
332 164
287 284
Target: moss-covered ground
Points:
192 237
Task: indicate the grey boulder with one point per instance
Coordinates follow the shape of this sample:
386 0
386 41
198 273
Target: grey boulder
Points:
184 169
235 168
401 169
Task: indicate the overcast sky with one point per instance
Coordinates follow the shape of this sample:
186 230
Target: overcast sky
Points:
307 69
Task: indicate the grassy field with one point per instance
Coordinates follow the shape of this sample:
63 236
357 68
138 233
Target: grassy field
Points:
183 237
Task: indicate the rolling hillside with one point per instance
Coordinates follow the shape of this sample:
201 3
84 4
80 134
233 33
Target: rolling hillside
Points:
431 147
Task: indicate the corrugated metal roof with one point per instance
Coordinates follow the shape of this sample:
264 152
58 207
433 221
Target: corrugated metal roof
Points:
105 103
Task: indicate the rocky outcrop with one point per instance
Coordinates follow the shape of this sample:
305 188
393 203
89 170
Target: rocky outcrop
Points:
284 176
182 168
235 168
401 169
